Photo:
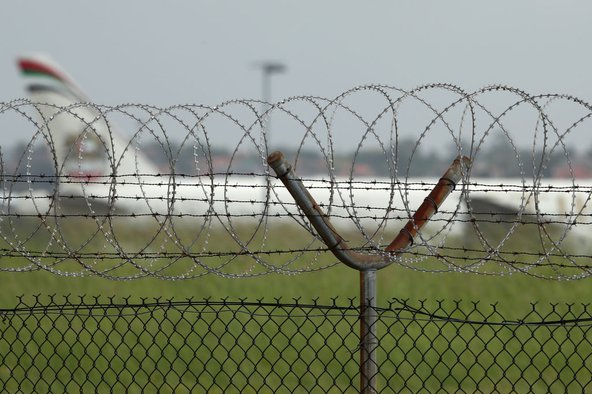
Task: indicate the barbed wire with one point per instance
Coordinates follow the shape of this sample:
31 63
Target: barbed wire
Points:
185 191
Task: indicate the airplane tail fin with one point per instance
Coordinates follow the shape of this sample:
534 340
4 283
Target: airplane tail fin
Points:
83 141
46 80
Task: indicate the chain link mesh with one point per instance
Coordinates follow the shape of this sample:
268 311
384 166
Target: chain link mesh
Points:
85 344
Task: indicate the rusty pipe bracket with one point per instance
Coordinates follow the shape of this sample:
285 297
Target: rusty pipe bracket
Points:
430 204
321 223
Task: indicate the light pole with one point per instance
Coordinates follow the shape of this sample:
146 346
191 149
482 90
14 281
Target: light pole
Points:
268 68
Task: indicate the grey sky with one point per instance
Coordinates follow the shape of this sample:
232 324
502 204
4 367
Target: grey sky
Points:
175 52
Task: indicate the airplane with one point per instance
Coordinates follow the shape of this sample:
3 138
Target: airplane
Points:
101 171
98 169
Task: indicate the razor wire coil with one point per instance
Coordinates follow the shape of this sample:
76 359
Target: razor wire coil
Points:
209 188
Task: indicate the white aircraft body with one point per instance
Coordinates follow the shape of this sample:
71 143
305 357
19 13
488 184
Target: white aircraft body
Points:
101 169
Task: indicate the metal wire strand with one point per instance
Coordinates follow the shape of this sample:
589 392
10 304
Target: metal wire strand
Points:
185 191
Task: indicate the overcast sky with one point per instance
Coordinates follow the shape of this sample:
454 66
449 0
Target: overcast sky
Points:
173 52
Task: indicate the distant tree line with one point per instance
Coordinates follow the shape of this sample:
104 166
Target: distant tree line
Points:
497 159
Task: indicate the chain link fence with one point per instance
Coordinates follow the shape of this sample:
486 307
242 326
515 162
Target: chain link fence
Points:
86 344
186 192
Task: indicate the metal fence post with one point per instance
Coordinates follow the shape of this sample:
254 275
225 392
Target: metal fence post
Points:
368 337
366 264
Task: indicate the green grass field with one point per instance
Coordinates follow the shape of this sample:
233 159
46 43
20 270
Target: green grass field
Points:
159 349
336 281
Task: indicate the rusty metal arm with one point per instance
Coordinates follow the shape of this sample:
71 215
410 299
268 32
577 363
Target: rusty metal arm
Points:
321 223
430 204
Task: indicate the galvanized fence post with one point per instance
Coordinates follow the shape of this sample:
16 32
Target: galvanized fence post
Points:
366 264
368 337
